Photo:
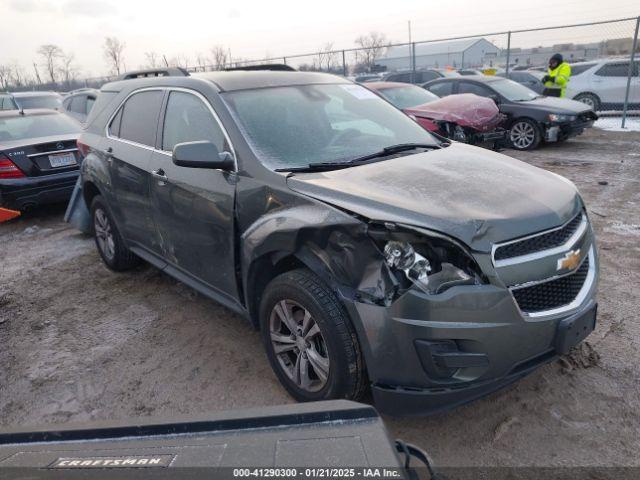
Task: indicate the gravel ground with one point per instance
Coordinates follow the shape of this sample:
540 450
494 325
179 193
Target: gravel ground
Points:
78 342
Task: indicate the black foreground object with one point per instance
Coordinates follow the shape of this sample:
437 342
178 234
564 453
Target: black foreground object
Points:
308 440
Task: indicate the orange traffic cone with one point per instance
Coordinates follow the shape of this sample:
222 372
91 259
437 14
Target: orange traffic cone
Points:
6 214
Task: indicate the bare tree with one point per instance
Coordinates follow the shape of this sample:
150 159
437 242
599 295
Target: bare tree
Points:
5 76
201 61
68 69
51 54
180 60
327 58
18 77
373 45
113 52
153 60
220 57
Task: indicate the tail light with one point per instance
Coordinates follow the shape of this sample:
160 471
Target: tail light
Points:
8 169
83 148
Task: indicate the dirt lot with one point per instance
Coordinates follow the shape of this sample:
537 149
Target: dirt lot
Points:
78 342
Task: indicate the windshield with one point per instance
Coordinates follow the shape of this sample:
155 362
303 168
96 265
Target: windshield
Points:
513 91
408 96
32 126
294 126
42 101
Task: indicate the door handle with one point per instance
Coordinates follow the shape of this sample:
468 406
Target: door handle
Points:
160 175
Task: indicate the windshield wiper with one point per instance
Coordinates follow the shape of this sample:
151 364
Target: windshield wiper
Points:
385 152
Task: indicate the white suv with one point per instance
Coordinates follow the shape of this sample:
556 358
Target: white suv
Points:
601 84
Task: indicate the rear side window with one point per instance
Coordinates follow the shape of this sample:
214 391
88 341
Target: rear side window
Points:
103 100
428 76
441 89
578 69
114 126
140 117
89 104
620 69
188 119
468 87
399 77
77 104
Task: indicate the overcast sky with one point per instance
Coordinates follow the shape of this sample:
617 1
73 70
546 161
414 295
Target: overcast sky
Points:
255 29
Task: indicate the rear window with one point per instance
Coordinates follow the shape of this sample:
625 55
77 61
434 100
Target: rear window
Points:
40 101
33 126
140 117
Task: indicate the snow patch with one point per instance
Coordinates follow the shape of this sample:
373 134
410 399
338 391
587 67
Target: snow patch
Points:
612 124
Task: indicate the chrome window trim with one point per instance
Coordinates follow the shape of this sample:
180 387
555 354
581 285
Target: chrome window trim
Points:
576 302
66 150
171 89
580 231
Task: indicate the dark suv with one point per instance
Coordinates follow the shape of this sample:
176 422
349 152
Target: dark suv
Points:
367 251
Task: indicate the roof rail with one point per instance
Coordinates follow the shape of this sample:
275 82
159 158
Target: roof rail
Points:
155 72
278 67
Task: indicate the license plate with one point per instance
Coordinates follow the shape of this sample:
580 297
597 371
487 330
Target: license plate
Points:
573 330
62 160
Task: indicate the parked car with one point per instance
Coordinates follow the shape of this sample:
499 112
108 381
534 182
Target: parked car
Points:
27 100
354 239
78 103
465 118
529 78
419 76
602 85
469 71
7 102
365 78
531 118
38 157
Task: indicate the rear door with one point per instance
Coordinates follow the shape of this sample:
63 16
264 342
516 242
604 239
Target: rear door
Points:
609 82
194 207
130 141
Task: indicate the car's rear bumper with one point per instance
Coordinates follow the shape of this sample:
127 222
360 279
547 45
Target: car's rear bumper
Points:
25 193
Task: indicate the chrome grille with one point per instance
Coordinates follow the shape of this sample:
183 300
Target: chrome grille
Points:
538 243
552 294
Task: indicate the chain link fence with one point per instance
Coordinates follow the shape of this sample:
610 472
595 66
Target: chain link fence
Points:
605 58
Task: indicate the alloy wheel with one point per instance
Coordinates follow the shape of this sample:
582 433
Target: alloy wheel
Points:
299 346
104 234
522 135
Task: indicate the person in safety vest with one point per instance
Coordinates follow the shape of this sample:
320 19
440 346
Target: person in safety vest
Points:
557 77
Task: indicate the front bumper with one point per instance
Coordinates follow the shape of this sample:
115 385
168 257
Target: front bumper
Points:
561 131
23 193
426 354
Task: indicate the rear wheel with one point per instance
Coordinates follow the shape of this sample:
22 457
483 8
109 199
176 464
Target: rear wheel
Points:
110 245
524 134
589 99
309 339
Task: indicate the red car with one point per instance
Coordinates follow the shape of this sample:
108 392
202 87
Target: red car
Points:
465 117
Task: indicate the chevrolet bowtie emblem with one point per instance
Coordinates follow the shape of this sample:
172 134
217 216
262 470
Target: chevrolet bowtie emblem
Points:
569 261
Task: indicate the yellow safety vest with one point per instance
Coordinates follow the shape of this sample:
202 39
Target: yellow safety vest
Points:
561 75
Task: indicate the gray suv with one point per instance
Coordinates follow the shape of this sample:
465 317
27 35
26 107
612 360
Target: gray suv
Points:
369 253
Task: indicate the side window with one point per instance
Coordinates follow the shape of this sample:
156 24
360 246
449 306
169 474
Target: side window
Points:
89 105
441 89
114 126
578 69
620 69
77 104
65 103
428 76
140 117
188 119
400 77
468 87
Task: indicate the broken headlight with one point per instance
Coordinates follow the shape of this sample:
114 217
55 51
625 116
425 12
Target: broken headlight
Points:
433 264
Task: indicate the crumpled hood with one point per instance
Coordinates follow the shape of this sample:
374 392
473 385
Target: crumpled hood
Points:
475 195
465 109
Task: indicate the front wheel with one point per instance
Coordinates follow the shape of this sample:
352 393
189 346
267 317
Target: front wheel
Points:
309 339
524 134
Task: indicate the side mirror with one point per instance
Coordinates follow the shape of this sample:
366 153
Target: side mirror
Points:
201 154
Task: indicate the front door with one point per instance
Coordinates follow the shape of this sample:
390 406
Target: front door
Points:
194 207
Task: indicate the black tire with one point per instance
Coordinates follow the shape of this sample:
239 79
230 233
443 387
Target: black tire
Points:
114 252
346 371
524 134
590 99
